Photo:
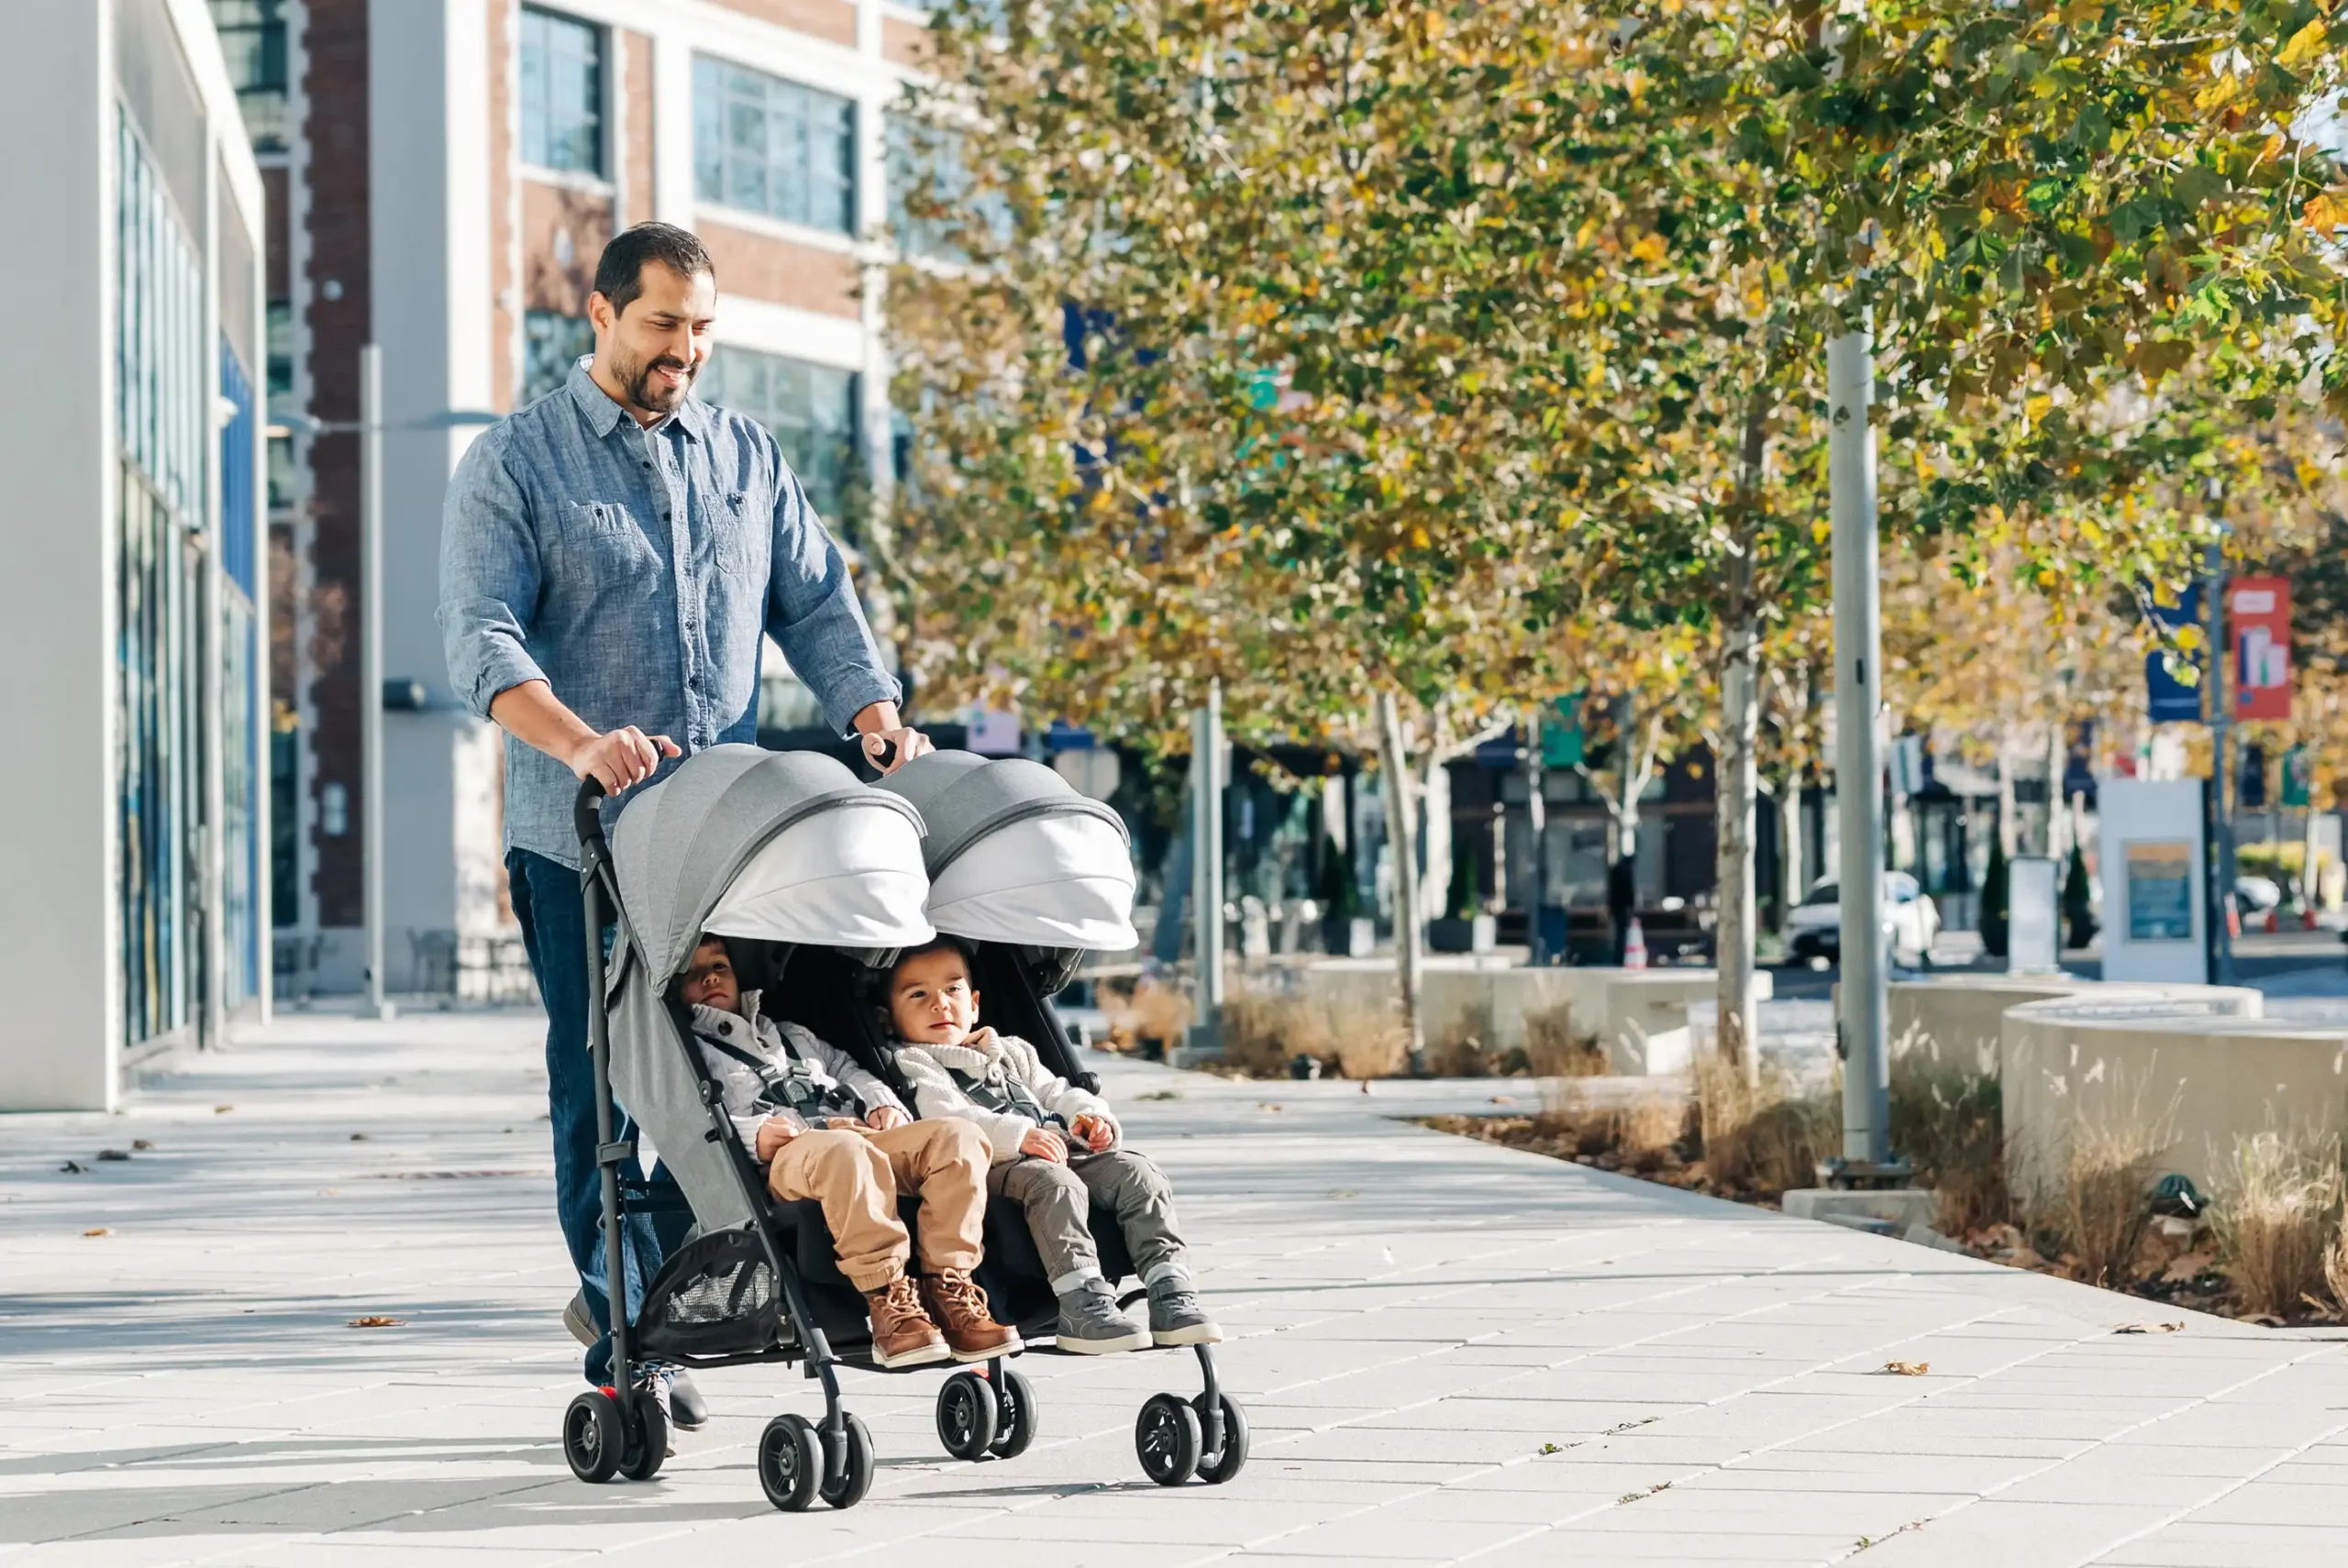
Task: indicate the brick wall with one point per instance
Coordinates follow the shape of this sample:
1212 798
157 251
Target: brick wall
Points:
551 214
906 43
831 19
335 89
638 119
763 267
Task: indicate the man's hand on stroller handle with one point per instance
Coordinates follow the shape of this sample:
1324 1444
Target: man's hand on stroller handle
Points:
619 758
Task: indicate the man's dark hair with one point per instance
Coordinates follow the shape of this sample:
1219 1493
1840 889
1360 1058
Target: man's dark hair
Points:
619 273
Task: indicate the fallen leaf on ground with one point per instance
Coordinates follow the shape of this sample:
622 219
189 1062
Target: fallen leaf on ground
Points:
2148 1328
222 1109
1503 1100
98 1230
140 1143
1153 1094
358 1137
378 1322
1267 1105
75 1167
1551 1448
114 1153
1906 1368
2264 1320
2186 1266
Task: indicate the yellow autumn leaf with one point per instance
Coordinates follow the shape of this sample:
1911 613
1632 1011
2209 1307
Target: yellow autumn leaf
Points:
2303 45
1419 539
1650 249
2034 409
2327 210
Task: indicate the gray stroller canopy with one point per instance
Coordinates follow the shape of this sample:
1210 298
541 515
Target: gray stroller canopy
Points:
786 846
1015 855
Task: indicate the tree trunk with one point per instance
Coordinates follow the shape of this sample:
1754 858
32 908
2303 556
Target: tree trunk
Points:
1435 821
1791 880
1736 788
2058 838
2008 815
1402 832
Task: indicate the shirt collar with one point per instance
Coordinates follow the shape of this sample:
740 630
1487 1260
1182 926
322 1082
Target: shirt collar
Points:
604 416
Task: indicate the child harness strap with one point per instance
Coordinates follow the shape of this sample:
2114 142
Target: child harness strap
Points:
1009 1095
794 1089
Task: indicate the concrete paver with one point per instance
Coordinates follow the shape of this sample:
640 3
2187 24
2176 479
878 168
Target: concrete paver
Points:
1453 1353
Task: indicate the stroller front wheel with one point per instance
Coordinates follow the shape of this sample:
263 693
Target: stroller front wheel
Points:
1216 1468
591 1439
855 1466
647 1442
791 1461
966 1416
1168 1439
1015 1407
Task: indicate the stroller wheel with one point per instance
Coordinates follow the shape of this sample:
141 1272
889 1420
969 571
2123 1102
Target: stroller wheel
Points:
966 1416
647 1442
791 1461
1216 1468
591 1439
1167 1438
1015 1413
854 1467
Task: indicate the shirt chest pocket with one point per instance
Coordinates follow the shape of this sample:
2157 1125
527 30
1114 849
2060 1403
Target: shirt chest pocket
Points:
737 537
602 545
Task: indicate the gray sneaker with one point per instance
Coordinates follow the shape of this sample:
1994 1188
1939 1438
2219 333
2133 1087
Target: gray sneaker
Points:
688 1412
1175 1316
1090 1324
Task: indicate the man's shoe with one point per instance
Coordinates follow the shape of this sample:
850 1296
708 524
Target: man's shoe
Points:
960 1309
902 1334
688 1412
580 1321
656 1383
1090 1324
1175 1316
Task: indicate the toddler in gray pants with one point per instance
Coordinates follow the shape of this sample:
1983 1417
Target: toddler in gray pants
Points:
1058 1152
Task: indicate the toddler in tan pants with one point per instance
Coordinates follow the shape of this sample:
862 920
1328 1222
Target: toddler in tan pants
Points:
825 1129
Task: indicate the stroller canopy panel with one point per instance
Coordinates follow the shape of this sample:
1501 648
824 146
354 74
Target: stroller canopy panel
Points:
684 844
1051 881
1015 855
848 877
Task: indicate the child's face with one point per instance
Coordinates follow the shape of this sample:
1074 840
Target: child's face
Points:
710 982
930 999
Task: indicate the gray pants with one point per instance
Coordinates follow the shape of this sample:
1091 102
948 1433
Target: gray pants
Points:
1059 1199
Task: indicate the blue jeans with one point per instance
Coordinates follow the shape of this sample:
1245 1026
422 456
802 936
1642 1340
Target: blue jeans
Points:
554 932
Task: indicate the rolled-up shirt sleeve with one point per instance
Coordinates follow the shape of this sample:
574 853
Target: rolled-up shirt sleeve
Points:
489 579
812 614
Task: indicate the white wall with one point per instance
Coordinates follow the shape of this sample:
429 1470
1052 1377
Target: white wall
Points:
58 944
428 67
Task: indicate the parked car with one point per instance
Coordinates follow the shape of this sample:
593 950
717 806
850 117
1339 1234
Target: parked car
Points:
2255 894
1910 922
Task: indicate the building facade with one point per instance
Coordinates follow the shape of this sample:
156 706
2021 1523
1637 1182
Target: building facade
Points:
444 175
133 619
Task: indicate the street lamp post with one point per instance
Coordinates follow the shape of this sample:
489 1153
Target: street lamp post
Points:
1206 871
371 676
1858 751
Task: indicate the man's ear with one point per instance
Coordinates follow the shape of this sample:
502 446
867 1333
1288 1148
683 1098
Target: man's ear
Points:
600 314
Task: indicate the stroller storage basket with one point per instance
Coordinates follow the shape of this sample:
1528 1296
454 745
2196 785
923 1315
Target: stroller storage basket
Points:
715 1295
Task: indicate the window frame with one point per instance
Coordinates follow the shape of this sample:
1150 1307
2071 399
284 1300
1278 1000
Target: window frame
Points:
599 97
717 96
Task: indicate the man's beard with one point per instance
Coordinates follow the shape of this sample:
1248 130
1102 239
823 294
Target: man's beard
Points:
648 393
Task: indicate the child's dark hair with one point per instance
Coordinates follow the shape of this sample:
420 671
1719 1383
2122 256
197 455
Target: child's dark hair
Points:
941 943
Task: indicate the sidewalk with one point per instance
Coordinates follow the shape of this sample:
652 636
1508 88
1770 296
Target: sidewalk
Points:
1450 1353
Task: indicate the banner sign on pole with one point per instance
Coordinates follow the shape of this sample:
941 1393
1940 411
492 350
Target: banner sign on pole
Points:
1561 736
2258 613
2169 700
2297 768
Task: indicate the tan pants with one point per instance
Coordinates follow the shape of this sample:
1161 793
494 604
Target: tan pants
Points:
857 1177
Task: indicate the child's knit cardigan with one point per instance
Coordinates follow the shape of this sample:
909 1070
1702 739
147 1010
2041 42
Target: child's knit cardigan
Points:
928 1070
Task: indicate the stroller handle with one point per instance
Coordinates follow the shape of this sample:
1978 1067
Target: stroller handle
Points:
587 811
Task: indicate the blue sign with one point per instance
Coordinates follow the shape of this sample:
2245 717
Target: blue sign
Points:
2168 700
1065 737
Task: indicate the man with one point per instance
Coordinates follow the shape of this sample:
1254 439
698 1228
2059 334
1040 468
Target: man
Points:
609 559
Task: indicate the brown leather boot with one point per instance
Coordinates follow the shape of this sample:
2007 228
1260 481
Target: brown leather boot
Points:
960 1309
902 1334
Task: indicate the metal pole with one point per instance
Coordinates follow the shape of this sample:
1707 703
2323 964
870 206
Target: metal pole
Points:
1536 818
1206 870
2221 770
1858 753
371 676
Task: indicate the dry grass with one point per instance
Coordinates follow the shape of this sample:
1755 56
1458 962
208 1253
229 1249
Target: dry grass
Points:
1265 1029
1554 1050
2277 1215
2096 1212
2335 1264
1462 1048
1767 1138
1371 1041
1952 1124
1150 1009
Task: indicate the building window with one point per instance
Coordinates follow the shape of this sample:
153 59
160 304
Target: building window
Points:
770 146
551 343
252 40
277 393
811 408
563 93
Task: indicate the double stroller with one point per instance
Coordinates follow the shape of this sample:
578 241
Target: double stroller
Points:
817 882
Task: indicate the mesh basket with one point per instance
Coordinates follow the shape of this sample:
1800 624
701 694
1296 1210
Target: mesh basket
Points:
715 1295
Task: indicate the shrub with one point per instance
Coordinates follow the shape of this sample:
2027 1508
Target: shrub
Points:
1764 1138
1553 1050
1949 1119
2099 1208
2277 1215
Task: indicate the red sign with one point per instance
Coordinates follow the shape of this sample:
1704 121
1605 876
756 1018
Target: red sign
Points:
2258 616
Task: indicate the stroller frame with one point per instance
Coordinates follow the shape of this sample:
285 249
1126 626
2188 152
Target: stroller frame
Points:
631 1440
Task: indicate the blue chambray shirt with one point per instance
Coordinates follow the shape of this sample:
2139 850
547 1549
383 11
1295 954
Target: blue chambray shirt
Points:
632 571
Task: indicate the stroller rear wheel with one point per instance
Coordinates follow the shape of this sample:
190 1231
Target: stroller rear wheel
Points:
1216 1468
791 1461
592 1439
854 1469
1015 1413
647 1442
966 1416
1166 1436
